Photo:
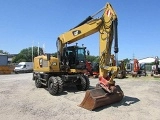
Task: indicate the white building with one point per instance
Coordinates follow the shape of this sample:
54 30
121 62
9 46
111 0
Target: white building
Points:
147 60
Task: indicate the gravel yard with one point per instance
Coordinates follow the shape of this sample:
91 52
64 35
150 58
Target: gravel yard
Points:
21 100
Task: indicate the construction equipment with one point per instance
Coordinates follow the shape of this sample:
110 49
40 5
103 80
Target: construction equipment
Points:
136 69
89 68
92 69
122 71
156 68
56 72
95 69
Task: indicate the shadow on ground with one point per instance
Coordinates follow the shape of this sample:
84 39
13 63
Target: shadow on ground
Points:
70 89
126 101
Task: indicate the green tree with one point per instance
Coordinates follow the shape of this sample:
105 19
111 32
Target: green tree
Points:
3 52
54 54
92 58
27 54
126 61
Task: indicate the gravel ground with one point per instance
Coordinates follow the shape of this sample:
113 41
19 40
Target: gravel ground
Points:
21 100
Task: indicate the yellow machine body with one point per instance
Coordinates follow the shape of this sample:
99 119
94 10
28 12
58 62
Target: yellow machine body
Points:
42 64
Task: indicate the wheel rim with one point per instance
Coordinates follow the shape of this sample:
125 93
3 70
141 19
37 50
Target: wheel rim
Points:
37 81
51 85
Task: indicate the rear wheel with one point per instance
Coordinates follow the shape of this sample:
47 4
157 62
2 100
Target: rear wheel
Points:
38 82
53 85
87 82
84 83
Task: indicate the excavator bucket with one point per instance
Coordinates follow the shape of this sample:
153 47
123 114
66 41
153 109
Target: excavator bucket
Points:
99 97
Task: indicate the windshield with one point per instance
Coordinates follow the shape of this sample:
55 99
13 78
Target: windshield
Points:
19 65
80 54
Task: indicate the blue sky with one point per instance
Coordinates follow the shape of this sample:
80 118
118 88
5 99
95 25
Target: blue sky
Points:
27 22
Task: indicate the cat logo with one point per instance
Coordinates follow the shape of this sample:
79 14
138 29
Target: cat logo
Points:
76 32
54 63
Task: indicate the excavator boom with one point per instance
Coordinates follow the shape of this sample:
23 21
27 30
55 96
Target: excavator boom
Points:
106 91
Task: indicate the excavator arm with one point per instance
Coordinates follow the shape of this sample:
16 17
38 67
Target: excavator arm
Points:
106 91
107 28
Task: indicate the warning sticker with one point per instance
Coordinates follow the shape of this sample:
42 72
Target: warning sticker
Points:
108 13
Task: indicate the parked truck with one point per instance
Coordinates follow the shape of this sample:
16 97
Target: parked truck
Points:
24 67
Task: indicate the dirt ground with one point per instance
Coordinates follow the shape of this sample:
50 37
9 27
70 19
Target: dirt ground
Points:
21 100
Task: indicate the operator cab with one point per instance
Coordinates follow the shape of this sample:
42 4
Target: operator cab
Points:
75 56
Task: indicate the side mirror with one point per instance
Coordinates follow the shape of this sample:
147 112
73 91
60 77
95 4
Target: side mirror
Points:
48 57
88 53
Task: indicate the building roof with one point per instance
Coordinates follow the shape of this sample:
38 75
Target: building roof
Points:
147 60
2 54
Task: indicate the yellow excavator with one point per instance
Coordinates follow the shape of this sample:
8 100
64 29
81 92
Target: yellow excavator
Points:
70 64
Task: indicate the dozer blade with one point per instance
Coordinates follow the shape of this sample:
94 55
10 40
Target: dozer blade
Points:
98 97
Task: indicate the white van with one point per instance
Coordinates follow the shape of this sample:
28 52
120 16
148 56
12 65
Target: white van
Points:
24 67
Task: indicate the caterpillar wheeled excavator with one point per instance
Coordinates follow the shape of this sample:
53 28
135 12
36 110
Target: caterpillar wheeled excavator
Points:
69 65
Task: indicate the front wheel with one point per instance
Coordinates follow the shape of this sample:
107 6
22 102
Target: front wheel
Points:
53 85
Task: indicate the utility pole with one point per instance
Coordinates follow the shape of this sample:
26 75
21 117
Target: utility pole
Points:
38 48
32 50
133 56
44 48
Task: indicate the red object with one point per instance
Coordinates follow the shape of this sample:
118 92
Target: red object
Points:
104 83
89 66
108 13
136 65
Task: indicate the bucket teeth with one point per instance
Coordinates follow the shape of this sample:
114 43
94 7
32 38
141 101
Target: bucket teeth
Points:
98 97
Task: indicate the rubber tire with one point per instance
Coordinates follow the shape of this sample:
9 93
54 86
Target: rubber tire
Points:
33 77
82 85
87 82
38 82
53 85
60 84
